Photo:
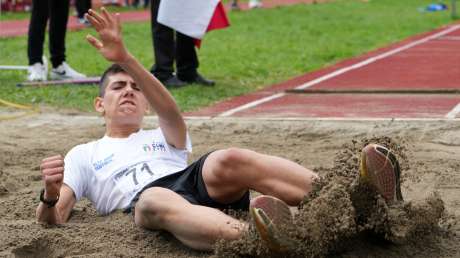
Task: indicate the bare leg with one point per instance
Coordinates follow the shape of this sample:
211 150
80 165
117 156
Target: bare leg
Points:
195 226
229 173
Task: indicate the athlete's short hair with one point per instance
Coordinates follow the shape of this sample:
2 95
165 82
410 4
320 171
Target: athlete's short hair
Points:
113 69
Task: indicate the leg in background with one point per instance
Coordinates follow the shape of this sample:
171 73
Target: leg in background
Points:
186 58
36 35
163 46
59 14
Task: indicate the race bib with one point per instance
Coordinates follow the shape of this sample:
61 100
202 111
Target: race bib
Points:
131 179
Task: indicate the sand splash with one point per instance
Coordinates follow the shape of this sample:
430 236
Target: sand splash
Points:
342 213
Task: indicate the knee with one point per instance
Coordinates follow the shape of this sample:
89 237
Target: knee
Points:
150 210
230 162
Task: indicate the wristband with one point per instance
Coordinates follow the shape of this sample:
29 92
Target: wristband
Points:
49 203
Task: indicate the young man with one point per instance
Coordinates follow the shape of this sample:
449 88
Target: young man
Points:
146 170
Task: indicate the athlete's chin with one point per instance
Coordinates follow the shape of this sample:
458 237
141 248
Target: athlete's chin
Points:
128 109
130 116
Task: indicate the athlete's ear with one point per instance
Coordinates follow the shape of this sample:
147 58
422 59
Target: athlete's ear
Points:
99 105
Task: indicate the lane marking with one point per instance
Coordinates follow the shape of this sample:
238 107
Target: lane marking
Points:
454 112
376 58
340 71
404 91
252 104
450 38
319 119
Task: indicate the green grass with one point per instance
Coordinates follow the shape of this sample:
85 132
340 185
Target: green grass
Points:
262 47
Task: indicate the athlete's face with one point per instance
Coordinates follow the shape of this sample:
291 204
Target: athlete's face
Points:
123 101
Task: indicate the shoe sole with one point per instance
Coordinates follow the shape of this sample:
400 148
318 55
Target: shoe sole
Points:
35 79
380 168
268 213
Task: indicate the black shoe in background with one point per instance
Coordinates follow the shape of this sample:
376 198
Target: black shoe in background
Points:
198 79
173 82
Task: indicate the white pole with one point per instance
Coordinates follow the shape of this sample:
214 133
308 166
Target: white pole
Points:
13 67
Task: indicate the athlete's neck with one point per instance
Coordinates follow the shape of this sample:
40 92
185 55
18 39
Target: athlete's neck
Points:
121 132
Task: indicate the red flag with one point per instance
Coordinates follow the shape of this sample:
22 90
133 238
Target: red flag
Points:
218 21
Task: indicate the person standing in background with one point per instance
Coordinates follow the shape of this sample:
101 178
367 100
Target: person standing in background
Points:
170 46
57 12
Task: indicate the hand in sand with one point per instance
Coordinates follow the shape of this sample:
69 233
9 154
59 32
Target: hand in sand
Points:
52 169
108 27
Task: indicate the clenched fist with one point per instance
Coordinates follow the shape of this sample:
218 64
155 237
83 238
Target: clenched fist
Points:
52 169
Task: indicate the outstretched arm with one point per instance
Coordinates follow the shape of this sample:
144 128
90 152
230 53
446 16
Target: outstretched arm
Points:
111 46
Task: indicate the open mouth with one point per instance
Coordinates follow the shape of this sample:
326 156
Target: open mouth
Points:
130 102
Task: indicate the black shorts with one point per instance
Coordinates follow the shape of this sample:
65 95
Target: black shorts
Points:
189 184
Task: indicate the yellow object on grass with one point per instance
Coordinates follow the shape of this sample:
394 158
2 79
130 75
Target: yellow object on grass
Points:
29 110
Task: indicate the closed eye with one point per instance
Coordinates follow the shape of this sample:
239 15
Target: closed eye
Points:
134 86
118 85
121 84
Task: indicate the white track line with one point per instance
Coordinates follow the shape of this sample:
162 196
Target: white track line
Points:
340 71
450 38
251 104
320 119
454 112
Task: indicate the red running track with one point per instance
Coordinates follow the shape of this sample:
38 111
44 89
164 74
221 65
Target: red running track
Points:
418 78
21 27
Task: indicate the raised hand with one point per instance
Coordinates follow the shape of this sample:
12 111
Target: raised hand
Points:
108 27
52 169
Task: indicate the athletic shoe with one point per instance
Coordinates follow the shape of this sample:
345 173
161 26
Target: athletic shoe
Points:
64 71
173 82
254 4
83 21
198 79
380 168
37 72
269 215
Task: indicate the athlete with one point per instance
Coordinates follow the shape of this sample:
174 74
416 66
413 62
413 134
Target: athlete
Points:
145 171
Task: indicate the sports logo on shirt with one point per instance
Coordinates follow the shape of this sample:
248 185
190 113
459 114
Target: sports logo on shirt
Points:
102 163
154 147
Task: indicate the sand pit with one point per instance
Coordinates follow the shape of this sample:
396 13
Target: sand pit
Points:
331 222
